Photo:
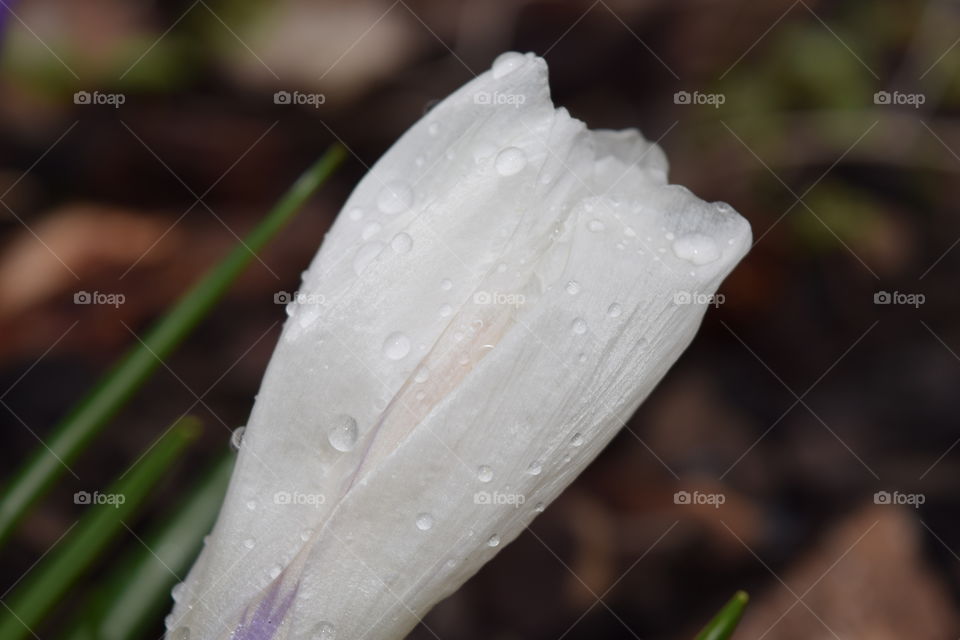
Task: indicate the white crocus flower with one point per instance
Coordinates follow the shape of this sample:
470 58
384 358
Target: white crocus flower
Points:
500 293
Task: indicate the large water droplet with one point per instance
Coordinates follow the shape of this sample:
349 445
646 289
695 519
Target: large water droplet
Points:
696 248
506 63
323 631
395 197
343 433
510 161
402 242
396 346
424 521
579 326
484 474
493 540
236 438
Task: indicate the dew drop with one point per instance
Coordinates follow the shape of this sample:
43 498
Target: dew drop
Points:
251 505
573 287
669 235
305 534
343 433
369 230
323 631
446 284
275 571
614 310
236 438
579 326
365 255
493 540
445 310
484 474
596 226
422 375
395 197
248 543
539 507
396 346
510 161
535 468
696 248
424 521
402 242
576 440
506 63
433 129
355 214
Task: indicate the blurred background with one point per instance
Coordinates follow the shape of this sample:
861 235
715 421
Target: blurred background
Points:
803 447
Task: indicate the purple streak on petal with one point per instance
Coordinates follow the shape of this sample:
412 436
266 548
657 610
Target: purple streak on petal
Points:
267 618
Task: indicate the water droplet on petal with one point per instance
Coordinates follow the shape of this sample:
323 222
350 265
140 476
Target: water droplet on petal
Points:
236 438
506 63
446 284
614 310
484 474
573 287
343 433
395 197
248 543
402 242
433 128
696 248
305 534
445 310
577 439
596 226
369 230
275 571
539 507
422 375
323 631
493 541
579 326
355 214
510 161
535 468
396 346
251 505
177 592
424 521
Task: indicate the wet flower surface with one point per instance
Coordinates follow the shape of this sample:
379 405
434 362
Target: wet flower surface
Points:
499 294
